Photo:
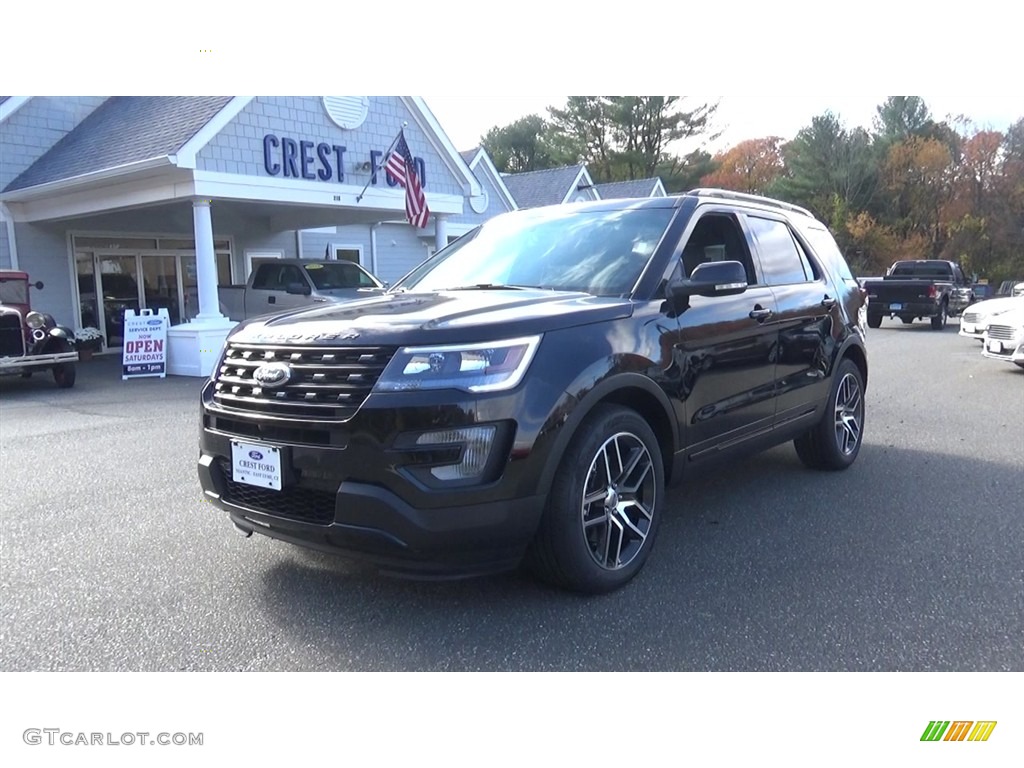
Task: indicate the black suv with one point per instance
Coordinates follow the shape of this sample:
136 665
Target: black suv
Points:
529 391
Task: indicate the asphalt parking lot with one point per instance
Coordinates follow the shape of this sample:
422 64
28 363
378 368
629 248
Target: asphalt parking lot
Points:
911 560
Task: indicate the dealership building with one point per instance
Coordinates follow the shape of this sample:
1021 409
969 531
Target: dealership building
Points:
151 202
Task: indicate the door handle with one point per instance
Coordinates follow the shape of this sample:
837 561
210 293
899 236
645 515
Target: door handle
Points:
760 314
828 302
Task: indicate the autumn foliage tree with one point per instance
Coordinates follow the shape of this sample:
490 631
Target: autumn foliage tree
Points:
911 187
751 166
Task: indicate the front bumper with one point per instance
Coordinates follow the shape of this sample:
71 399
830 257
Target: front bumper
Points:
1011 351
971 330
373 524
15 364
360 492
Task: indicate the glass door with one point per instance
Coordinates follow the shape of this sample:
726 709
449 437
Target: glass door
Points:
88 311
118 282
160 285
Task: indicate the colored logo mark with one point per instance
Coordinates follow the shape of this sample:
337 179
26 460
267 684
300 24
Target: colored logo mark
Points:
958 730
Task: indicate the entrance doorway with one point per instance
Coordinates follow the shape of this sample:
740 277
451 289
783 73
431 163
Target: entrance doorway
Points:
161 276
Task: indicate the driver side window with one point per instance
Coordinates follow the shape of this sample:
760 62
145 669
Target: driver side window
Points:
717 237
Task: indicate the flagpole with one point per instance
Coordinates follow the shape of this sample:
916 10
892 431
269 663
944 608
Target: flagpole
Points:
386 155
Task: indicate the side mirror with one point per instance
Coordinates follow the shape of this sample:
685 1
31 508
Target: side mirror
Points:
713 278
298 289
38 285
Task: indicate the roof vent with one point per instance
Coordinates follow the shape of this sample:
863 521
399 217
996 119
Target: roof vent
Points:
347 112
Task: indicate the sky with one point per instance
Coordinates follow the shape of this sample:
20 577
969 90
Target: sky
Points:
466 119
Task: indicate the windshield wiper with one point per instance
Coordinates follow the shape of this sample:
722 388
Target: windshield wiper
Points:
490 287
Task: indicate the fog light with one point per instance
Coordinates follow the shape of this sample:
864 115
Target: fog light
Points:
476 447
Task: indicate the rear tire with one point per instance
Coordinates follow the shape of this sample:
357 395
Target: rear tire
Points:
939 321
874 321
602 513
834 442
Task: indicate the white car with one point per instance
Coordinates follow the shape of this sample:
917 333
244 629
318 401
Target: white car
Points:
977 316
1004 337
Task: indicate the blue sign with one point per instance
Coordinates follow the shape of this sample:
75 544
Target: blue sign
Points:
301 159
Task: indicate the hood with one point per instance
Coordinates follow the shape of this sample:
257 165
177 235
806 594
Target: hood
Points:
442 317
994 306
1013 317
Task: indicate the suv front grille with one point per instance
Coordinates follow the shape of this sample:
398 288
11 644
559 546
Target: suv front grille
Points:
306 505
327 384
1004 332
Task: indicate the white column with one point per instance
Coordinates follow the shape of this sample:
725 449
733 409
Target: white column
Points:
440 231
193 347
206 262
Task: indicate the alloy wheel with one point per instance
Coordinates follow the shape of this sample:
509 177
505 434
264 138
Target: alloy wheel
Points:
619 499
849 414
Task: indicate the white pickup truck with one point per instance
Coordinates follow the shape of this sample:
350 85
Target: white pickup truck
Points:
276 285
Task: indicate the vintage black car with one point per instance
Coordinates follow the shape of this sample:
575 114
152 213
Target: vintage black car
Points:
32 340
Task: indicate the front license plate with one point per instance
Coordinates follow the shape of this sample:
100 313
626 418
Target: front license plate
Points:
256 464
896 306
995 346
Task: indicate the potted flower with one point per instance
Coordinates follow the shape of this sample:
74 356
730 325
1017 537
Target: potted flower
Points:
87 341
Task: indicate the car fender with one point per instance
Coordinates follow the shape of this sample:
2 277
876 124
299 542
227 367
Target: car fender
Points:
573 409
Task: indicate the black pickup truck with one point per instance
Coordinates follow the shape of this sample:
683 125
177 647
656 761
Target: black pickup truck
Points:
912 290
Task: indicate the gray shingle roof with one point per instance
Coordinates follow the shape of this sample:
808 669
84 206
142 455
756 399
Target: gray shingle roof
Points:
469 154
123 129
633 188
535 188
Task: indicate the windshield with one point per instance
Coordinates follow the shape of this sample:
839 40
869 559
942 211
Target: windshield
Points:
341 275
13 292
557 248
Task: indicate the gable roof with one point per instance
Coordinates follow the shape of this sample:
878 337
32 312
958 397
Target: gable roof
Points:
122 130
651 187
548 187
11 104
477 157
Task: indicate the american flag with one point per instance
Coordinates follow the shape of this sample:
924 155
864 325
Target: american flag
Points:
401 167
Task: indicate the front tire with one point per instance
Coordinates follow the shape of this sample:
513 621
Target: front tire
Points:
834 442
64 375
603 511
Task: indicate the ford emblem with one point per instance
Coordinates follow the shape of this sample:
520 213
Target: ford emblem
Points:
272 375
255 455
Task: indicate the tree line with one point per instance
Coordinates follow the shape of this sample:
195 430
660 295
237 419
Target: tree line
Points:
909 187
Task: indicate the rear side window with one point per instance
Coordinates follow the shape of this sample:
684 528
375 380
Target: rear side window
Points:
782 259
824 245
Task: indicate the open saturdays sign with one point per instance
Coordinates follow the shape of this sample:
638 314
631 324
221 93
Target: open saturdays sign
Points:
145 344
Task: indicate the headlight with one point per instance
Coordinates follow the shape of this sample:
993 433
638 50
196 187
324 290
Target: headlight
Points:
489 367
35 320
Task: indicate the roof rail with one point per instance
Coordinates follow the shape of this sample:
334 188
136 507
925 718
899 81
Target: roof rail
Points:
729 194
